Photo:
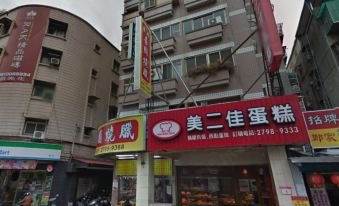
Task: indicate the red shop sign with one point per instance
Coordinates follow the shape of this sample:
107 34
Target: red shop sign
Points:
266 121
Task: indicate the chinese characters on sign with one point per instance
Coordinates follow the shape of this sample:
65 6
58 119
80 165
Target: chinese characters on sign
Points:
24 45
320 197
243 123
142 62
323 127
121 135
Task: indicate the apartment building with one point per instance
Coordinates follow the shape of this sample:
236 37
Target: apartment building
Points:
315 55
58 83
197 35
194 34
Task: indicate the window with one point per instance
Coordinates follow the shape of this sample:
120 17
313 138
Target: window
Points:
130 87
195 62
5 26
149 3
205 21
43 90
166 71
50 57
114 89
116 66
88 131
124 51
57 28
97 48
112 112
167 32
32 125
92 99
94 73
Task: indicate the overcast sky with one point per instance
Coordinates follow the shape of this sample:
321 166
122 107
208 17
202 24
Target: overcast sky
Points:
105 15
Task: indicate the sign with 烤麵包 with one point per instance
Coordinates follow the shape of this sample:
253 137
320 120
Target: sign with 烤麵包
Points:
265 121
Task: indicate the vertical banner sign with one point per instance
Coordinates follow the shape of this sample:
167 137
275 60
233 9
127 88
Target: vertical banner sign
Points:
142 61
266 121
268 34
323 128
22 51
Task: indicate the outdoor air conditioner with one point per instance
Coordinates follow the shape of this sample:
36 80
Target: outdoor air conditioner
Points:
155 75
54 61
214 20
38 135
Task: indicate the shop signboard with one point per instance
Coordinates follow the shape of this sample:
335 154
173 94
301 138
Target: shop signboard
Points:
162 167
11 164
125 134
24 44
300 201
29 150
323 127
142 58
268 33
266 121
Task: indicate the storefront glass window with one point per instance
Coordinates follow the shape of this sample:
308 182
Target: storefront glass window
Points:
127 190
162 189
224 186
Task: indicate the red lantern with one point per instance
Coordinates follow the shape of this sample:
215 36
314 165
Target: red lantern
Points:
317 179
335 179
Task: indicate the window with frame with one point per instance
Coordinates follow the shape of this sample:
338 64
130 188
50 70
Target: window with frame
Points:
128 85
116 66
205 21
43 90
50 57
32 125
114 89
112 112
5 26
166 71
146 4
57 28
167 32
216 57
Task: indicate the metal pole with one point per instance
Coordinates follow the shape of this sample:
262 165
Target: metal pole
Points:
175 69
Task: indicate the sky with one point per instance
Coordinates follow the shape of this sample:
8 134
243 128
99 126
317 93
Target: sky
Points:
105 15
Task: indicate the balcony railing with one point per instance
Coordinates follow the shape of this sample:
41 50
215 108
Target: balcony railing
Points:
130 99
211 33
194 4
159 12
220 78
168 44
166 87
131 5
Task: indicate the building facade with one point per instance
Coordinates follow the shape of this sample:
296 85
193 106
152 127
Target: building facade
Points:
196 35
59 82
314 55
314 59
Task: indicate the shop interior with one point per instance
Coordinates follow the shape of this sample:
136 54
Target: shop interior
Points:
224 186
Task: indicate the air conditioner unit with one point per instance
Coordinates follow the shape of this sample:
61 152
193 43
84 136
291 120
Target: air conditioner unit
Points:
155 75
38 135
215 20
54 61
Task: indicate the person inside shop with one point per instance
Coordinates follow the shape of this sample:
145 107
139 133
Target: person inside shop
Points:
27 200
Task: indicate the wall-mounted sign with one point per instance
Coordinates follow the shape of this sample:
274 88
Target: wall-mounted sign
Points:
142 60
161 167
29 150
323 128
300 201
268 33
23 48
266 121
125 134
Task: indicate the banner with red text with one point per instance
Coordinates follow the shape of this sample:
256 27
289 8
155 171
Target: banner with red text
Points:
266 121
23 48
